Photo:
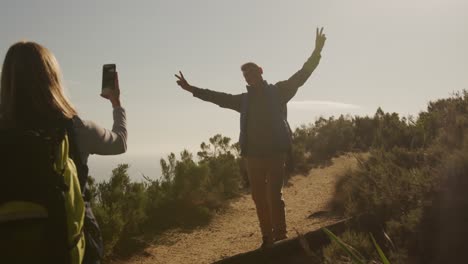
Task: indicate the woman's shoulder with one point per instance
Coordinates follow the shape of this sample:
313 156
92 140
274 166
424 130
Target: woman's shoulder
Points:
83 126
77 122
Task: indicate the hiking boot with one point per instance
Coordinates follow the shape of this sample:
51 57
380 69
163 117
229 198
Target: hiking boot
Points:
280 237
267 242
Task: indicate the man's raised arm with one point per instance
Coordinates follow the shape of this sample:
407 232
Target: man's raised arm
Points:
222 99
289 87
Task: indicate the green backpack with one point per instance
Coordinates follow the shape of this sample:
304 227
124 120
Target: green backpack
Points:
41 206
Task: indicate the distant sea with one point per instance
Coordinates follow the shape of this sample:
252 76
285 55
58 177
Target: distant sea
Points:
100 167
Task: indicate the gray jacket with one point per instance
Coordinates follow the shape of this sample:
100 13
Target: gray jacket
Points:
93 139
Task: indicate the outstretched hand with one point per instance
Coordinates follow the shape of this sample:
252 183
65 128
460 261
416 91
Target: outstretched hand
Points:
182 82
320 39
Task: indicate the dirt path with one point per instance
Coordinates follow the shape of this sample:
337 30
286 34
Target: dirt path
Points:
236 230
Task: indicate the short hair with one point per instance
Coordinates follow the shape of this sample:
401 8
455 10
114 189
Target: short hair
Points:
249 65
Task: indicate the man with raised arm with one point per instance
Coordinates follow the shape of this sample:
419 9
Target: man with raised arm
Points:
265 136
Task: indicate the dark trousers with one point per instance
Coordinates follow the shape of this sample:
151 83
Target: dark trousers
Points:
266 177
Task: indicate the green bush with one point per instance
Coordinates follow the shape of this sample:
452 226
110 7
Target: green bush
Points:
316 144
186 196
415 183
119 206
359 243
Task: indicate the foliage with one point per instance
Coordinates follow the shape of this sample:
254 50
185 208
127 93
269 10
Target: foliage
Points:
414 177
343 250
353 247
417 167
315 144
187 195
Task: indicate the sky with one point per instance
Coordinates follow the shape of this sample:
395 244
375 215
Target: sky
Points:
397 54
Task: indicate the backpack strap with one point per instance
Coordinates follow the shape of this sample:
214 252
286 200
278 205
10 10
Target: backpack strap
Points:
74 154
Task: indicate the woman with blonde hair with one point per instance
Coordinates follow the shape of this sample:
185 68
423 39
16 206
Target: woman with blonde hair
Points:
32 97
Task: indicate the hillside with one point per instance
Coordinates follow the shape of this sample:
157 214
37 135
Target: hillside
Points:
235 229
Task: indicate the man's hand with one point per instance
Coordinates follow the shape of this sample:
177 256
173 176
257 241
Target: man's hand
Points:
183 83
319 40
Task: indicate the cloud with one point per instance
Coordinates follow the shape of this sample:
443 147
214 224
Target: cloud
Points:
321 105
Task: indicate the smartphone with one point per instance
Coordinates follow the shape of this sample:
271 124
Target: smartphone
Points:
108 77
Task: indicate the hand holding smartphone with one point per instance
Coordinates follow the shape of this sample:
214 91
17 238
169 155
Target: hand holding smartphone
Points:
110 84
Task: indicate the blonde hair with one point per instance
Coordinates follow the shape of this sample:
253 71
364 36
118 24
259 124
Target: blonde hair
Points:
31 91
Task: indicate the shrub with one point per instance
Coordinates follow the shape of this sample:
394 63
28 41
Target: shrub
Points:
415 182
119 207
359 243
186 196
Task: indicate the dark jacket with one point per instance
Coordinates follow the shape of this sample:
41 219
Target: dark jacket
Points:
258 133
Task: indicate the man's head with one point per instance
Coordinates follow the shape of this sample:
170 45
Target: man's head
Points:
252 73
